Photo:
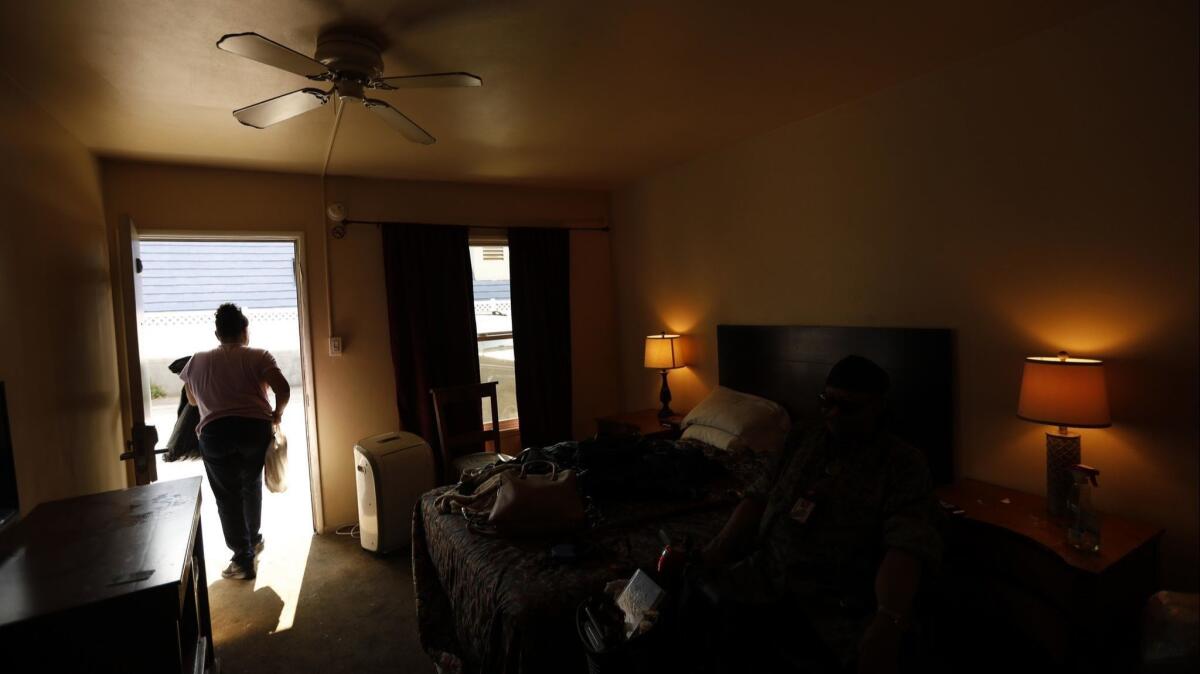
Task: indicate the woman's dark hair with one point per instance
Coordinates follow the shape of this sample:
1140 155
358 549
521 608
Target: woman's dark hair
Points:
231 322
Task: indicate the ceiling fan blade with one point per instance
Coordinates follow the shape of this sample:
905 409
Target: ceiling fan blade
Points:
258 48
275 110
399 122
430 80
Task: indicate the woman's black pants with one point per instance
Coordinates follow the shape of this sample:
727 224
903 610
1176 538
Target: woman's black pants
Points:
234 449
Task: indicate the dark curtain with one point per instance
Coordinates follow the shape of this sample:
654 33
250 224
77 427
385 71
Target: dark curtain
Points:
541 316
431 316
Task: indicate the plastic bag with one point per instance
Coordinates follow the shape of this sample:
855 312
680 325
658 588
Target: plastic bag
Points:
275 466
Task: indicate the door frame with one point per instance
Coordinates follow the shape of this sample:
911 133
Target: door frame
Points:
297 238
140 439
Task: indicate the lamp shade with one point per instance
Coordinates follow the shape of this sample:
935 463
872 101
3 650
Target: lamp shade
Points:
1062 391
663 352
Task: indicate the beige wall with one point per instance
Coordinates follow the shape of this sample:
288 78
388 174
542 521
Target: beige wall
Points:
1040 197
355 393
57 345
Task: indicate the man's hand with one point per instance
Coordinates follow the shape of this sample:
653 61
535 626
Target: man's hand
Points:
895 586
879 648
276 417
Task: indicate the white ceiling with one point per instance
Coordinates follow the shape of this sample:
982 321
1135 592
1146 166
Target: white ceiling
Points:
584 93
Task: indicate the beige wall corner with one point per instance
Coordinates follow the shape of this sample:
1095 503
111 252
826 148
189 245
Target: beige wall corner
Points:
57 347
1042 196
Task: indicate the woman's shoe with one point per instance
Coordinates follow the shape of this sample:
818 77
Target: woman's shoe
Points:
238 571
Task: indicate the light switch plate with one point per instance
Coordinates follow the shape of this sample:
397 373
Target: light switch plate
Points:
335 346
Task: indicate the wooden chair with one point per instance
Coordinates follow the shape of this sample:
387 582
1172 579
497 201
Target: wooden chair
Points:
460 446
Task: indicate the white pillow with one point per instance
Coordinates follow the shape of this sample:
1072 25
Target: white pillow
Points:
715 437
758 423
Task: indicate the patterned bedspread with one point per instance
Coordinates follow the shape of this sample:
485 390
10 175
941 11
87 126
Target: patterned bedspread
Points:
503 605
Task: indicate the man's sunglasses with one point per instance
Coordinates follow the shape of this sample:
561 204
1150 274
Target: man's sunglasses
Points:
843 406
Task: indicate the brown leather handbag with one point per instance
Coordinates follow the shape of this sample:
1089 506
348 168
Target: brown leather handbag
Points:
537 504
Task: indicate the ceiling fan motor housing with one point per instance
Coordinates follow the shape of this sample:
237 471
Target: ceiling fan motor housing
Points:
350 57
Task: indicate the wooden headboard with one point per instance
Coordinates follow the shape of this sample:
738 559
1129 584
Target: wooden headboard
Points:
788 364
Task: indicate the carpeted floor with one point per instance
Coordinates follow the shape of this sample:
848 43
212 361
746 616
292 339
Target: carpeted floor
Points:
354 613
320 603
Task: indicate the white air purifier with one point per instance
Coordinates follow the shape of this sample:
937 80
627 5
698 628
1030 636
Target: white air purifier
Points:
391 470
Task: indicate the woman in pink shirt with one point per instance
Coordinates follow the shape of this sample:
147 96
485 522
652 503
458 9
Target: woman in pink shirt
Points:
229 385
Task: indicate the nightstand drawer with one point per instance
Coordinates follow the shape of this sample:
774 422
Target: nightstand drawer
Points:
997 552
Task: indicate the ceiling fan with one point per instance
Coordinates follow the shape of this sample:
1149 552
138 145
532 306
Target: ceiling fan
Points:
351 63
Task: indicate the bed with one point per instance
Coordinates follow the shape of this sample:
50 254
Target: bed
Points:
502 605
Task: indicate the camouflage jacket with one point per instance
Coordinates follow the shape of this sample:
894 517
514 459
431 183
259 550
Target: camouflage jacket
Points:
832 511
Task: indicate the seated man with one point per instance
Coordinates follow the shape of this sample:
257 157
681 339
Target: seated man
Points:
825 551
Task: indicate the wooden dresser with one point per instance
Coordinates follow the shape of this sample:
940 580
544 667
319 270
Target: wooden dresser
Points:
110 582
1017 593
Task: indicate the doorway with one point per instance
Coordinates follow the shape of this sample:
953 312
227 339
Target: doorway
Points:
181 282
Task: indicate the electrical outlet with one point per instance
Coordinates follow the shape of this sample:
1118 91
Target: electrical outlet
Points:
335 346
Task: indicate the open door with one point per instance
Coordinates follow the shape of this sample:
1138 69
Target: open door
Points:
314 467
142 436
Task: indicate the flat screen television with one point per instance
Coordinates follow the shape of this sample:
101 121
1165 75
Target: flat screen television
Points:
9 505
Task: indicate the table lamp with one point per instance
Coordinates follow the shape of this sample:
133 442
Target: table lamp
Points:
662 354
1068 393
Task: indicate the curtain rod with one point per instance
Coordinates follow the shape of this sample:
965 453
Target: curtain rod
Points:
603 228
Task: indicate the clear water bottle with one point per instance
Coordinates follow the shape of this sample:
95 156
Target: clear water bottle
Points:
1083 533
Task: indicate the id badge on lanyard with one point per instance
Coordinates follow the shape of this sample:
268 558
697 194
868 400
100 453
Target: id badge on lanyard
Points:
803 507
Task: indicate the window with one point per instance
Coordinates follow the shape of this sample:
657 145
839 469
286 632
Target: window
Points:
493 326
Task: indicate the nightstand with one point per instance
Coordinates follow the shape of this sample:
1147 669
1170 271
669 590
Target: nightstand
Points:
643 422
1016 591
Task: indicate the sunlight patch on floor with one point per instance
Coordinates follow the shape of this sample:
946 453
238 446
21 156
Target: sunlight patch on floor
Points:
283 572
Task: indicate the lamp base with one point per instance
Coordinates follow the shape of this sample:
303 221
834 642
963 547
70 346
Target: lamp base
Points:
1063 450
664 396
